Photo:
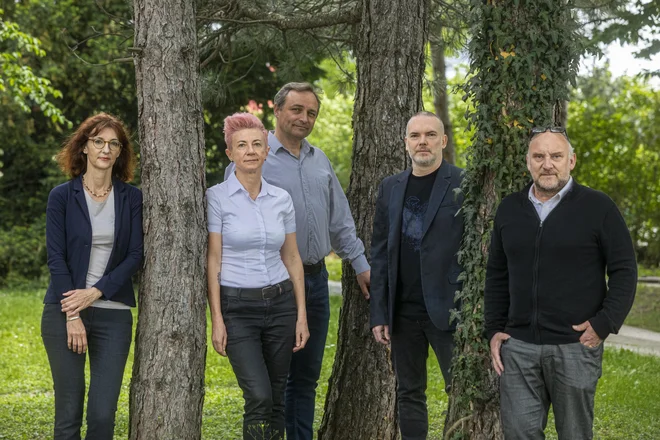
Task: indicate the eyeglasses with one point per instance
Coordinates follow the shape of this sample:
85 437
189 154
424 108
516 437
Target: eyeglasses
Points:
99 144
538 130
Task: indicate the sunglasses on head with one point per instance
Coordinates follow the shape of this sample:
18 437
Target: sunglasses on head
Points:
538 130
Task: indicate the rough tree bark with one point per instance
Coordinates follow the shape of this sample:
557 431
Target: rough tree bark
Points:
440 102
167 389
361 401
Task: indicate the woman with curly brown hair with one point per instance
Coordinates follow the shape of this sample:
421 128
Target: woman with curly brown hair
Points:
94 243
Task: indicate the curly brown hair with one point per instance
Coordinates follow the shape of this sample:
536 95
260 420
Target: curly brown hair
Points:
73 161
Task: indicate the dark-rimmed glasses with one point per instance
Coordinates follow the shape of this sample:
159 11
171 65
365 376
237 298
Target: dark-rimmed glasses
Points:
538 130
99 144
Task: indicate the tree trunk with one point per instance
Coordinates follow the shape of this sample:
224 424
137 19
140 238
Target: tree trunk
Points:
440 102
361 400
167 388
523 56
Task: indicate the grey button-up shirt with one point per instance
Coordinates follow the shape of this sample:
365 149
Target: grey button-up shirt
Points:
323 218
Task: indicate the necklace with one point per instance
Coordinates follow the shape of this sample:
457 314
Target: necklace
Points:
92 192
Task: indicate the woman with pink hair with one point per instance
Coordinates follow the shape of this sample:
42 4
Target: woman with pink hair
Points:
255 278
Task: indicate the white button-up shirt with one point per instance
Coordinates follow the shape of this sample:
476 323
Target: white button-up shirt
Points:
253 232
545 208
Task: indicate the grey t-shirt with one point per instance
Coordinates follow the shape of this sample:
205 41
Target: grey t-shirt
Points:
102 217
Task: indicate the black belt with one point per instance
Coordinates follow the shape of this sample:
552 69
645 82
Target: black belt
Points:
267 292
313 269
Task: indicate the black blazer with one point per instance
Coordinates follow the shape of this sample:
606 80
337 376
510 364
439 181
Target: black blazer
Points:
69 241
442 233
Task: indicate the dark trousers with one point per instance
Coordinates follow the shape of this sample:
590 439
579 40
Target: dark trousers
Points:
260 340
536 376
109 340
306 364
410 349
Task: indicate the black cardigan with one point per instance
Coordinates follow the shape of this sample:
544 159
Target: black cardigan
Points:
544 277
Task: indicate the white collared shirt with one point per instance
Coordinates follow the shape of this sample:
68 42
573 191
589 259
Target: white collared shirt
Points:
543 209
253 232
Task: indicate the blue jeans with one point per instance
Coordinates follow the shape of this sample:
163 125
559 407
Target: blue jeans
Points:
109 339
306 364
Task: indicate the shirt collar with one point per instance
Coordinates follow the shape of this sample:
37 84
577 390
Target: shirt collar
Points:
560 195
276 145
233 186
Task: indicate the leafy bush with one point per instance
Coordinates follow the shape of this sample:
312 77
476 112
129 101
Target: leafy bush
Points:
23 254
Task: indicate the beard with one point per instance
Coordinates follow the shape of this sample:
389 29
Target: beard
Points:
424 161
548 188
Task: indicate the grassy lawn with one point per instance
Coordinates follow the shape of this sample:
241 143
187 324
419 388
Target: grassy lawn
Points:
627 405
645 312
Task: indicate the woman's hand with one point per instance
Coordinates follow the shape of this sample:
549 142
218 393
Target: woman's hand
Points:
76 336
219 337
77 300
302 334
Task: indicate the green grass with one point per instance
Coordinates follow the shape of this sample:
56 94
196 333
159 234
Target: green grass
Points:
644 271
333 264
627 404
645 312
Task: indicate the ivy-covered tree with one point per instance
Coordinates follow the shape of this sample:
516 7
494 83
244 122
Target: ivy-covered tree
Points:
523 57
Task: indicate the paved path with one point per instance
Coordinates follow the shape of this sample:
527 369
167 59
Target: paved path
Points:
649 280
636 339
631 338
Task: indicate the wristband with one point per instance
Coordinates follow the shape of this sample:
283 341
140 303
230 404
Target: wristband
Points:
73 318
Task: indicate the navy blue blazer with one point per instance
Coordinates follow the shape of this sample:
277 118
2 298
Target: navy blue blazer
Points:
69 241
442 231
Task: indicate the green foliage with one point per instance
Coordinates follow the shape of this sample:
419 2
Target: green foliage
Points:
18 80
333 131
31 139
648 271
23 253
614 125
523 56
635 22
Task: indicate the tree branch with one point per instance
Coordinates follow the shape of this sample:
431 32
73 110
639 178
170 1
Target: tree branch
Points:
247 14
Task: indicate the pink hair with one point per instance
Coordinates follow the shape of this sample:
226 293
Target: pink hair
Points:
241 121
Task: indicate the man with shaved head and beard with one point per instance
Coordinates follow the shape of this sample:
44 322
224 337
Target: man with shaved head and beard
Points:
417 233
561 276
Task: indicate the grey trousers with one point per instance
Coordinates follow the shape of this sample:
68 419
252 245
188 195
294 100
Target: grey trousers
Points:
109 339
536 376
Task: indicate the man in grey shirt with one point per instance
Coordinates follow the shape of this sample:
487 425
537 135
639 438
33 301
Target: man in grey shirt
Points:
323 223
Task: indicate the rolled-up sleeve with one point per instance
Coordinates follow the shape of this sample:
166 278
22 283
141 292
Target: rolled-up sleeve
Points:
214 211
